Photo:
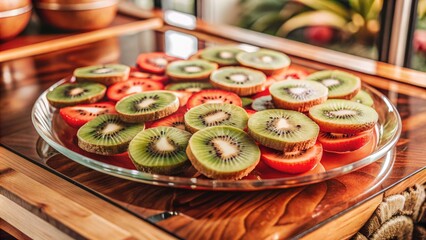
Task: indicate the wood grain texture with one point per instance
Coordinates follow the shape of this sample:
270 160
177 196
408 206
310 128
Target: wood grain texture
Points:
76 40
78 214
281 213
31 225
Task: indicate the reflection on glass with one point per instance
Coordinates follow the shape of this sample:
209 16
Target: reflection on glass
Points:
342 25
180 19
419 39
180 44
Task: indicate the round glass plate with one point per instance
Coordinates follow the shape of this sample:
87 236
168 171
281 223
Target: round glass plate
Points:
61 137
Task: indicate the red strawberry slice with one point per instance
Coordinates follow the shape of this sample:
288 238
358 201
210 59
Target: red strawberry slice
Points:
135 73
339 142
175 120
155 62
292 72
76 116
121 89
213 96
294 162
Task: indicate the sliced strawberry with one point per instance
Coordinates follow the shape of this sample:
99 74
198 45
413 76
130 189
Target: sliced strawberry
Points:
292 72
213 96
250 112
76 116
135 73
182 95
262 94
294 162
339 142
121 89
175 120
155 62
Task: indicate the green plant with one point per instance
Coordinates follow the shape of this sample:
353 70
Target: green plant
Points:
348 19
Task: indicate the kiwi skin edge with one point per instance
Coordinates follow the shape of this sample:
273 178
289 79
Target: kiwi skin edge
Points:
162 170
103 150
136 118
216 175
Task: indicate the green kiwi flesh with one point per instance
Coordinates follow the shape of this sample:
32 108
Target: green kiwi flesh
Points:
223 152
147 106
240 80
267 61
106 74
298 95
340 84
160 150
223 55
246 102
189 86
215 114
364 98
186 70
263 103
107 135
283 130
70 94
343 116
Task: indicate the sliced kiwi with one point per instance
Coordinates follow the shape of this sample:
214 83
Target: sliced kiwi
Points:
267 61
147 106
222 55
283 130
343 116
215 114
240 80
298 95
246 102
340 84
107 135
263 103
223 152
364 98
70 94
189 86
106 74
187 70
160 150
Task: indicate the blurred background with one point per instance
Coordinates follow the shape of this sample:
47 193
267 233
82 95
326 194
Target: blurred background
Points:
392 31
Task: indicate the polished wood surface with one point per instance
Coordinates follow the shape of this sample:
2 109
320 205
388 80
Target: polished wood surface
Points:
69 210
282 213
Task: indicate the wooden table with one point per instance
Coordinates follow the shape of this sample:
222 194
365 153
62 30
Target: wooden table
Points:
58 198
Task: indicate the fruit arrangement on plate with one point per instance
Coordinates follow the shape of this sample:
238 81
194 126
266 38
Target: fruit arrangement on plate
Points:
222 112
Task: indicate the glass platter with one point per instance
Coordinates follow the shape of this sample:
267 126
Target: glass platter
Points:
61 137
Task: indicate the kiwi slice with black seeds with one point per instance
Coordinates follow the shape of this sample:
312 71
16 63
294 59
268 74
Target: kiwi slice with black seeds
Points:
189 86
222 55
240 80
364 98
298 95
263 103
187 70
223 152
267 61
70 94
160 150
107 135
283 130
340 84
147 106
215 114
343 116
106 74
